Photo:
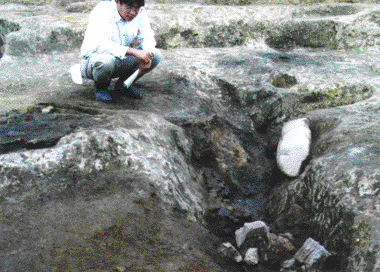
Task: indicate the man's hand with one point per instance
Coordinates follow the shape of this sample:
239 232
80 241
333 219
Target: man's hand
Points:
143 66
144 57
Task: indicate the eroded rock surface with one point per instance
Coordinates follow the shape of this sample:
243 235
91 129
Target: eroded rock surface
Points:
338 188
146 153
134 146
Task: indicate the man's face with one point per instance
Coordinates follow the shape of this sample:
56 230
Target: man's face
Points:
128 13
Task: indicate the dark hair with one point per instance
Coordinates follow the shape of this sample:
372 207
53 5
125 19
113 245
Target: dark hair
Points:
140 3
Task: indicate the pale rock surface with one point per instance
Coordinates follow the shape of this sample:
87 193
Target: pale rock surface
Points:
134 146
257 226
340 187
252 256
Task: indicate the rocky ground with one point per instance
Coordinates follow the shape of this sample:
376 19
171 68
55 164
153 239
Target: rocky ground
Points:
160 184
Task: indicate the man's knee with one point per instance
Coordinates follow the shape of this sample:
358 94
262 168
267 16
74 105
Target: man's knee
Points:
104 63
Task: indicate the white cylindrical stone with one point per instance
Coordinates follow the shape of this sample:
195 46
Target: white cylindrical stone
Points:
294 146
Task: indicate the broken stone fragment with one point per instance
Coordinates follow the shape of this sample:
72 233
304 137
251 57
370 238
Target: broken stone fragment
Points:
288 264
278 248
120 268
252 256
48 109
257 228
294 146
228 251
312 254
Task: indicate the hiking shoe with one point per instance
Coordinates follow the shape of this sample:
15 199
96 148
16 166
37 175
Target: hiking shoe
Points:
132 93
128 92
103 96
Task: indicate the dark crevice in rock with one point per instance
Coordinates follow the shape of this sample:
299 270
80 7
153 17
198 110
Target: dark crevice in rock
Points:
20 131
318 127
229 91
236 173
63 109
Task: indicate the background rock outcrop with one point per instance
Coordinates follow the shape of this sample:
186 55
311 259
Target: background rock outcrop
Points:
332 26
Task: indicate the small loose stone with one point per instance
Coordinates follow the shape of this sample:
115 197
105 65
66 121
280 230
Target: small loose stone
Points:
252 256
258 227
228 251
120 268
47 109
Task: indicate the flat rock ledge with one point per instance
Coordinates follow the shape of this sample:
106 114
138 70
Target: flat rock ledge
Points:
133 147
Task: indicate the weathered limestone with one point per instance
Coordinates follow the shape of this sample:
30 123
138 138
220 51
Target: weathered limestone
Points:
252 256
338 188
336 194
134 146
311 254
329 26
257 228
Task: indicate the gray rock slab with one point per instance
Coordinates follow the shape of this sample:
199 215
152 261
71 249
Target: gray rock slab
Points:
38 130
235 83
311 254
137 145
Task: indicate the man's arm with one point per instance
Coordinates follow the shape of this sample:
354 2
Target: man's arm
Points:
143 55
145 35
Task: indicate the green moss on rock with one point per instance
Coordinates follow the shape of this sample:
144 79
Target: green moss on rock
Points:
284 81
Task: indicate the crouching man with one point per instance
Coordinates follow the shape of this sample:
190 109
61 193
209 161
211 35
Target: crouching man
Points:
106 50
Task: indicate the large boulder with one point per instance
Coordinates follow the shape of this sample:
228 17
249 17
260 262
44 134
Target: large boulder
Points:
339 186
87 184
5 28
132 147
